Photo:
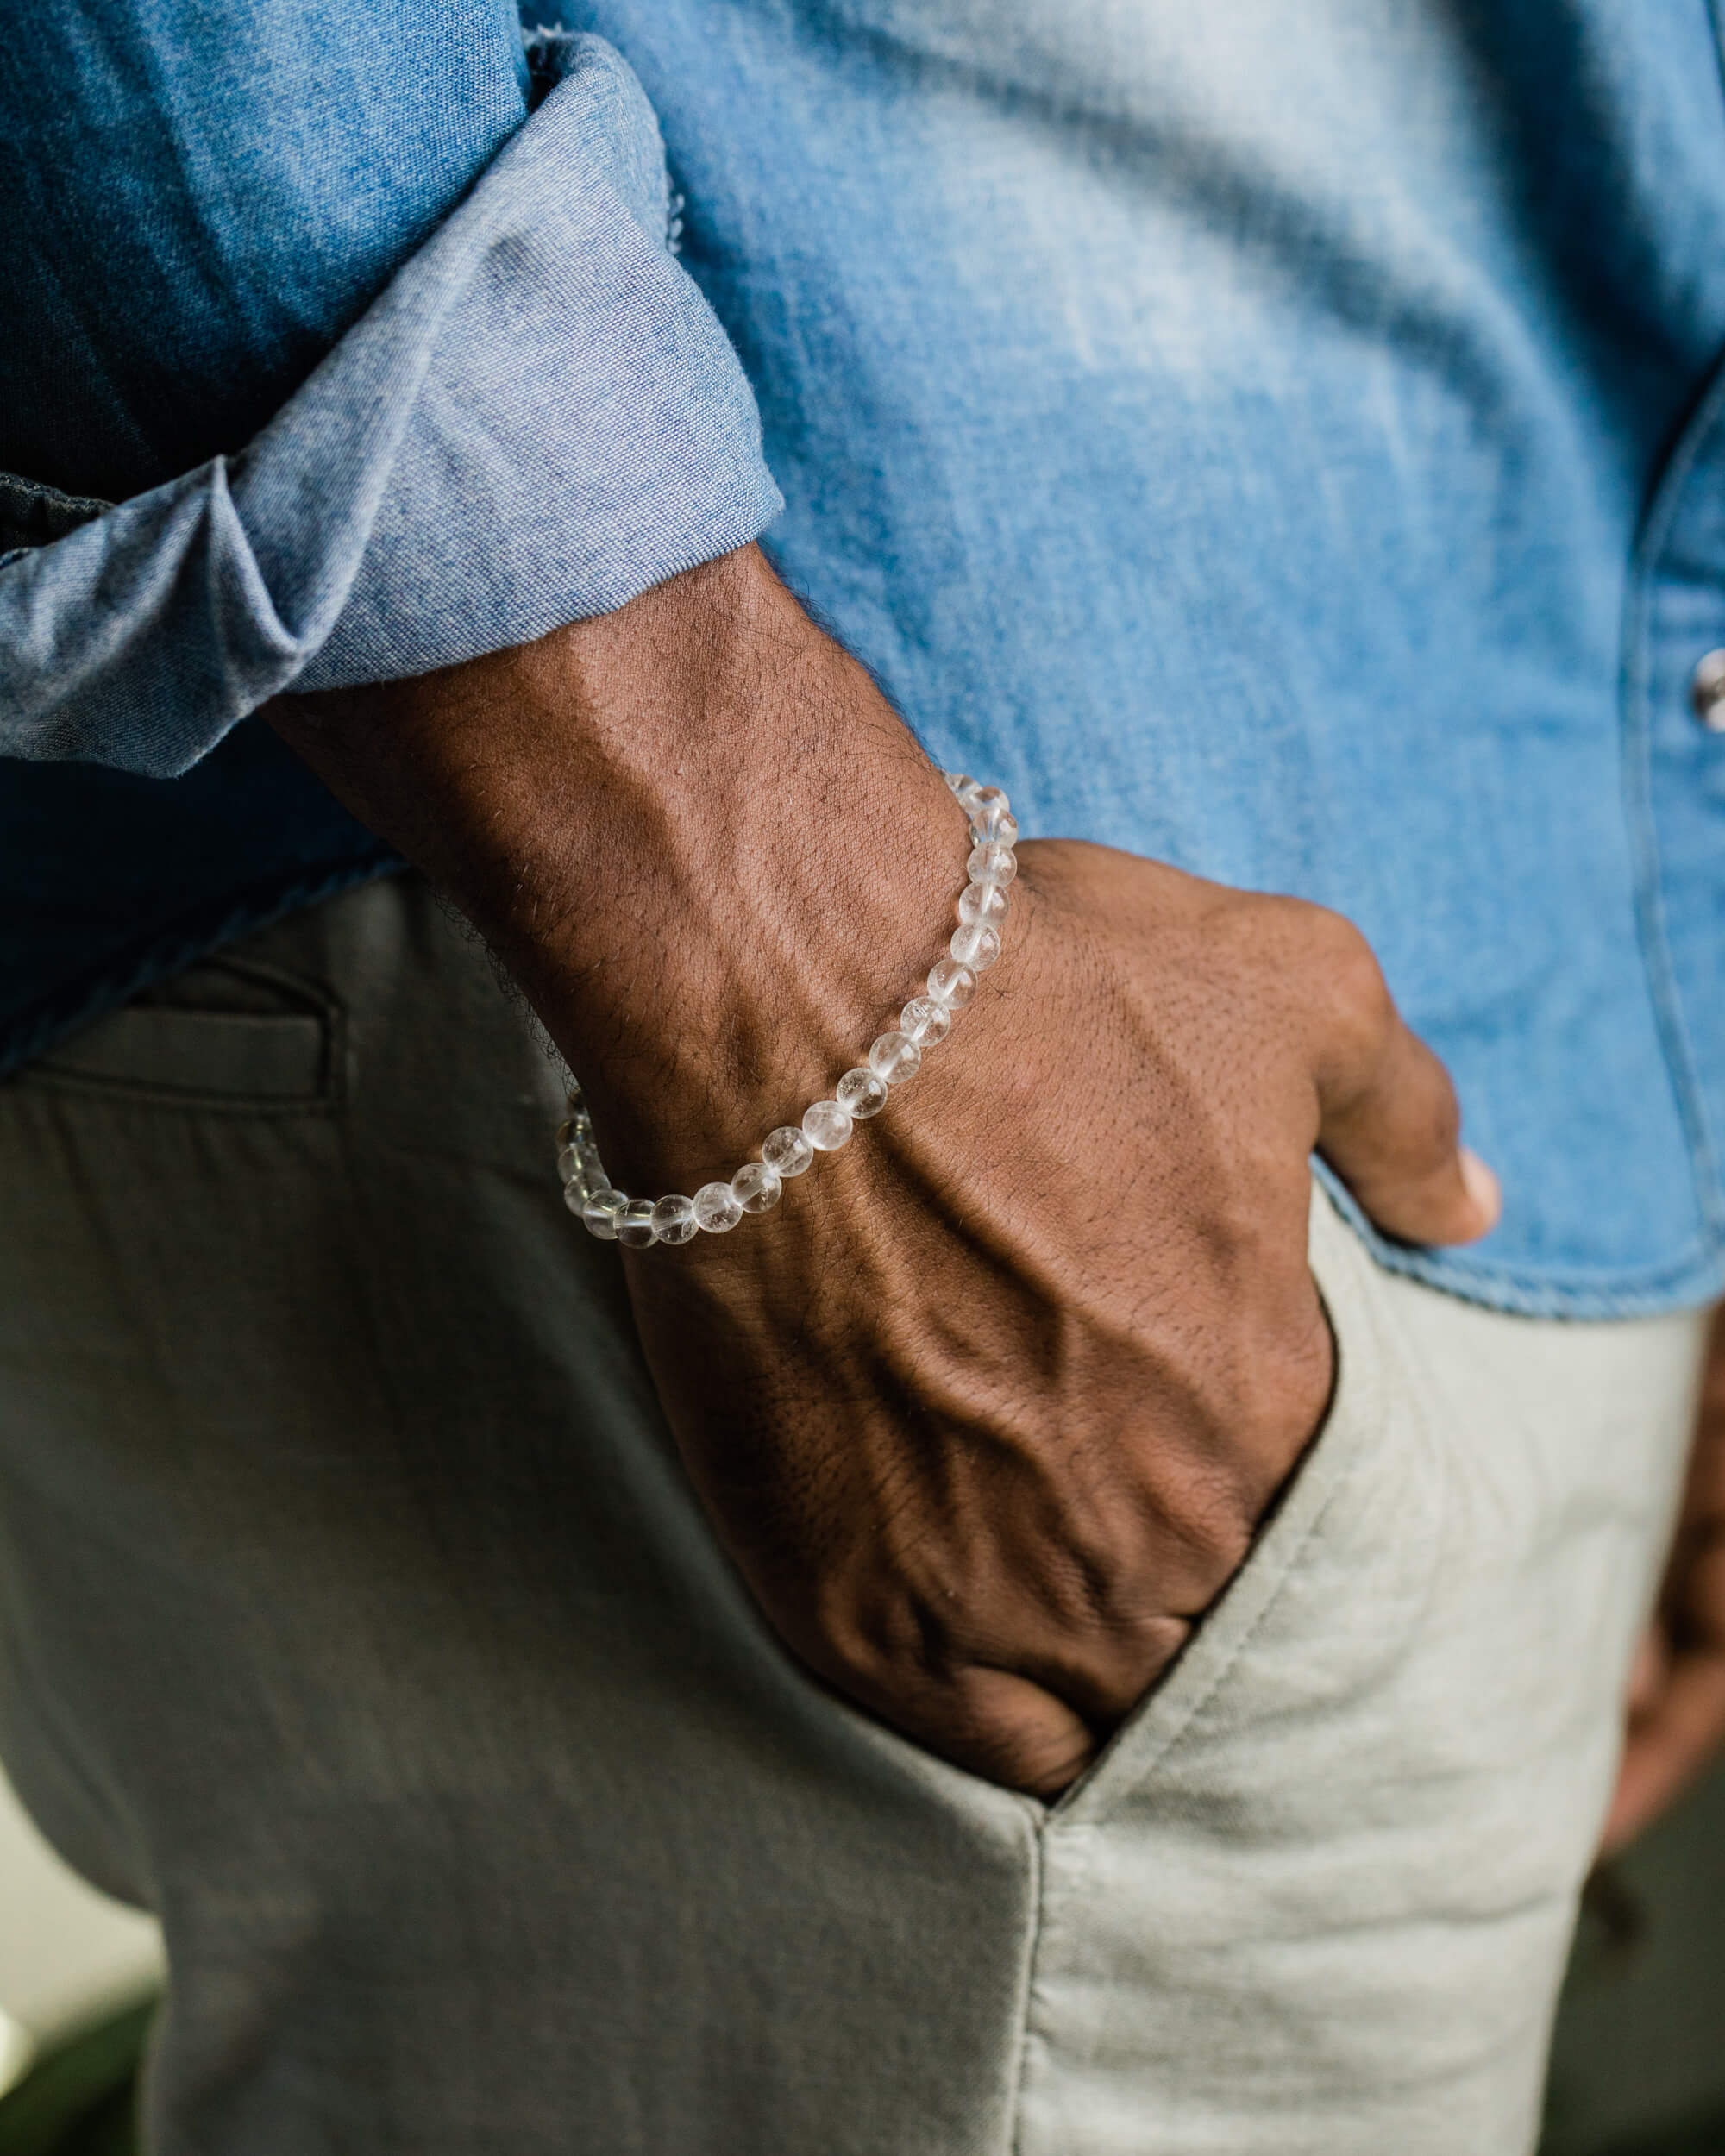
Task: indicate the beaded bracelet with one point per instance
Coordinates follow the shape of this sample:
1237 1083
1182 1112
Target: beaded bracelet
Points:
925 1021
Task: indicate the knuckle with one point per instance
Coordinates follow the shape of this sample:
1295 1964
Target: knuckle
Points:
898 1649
1440 1132
1277 1402
1016 1734
1321 960
1329 971
883 1647
1288 1410
1351 978
1040 1765
1214 1516
1261 930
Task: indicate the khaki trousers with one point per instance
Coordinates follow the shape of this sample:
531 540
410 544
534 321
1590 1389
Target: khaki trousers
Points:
355 1616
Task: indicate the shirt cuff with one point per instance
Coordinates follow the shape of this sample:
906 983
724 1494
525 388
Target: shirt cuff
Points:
537 419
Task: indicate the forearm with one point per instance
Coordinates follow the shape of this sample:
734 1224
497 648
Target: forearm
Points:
708 850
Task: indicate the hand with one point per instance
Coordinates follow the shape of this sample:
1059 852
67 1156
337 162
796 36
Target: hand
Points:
988 1413
1676 1697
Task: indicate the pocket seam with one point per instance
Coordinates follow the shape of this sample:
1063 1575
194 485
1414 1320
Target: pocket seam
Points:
309 1002
1322 1476
122 1092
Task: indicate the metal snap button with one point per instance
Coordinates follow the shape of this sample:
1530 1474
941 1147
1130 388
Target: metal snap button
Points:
1707 692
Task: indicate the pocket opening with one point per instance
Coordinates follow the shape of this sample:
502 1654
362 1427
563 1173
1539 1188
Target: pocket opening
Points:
224 1035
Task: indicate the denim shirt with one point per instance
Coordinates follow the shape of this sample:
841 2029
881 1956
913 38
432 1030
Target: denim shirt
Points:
1282 442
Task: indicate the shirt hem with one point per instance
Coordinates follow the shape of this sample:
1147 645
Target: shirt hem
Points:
1689 1281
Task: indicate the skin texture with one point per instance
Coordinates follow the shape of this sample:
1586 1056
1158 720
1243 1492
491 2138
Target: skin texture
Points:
1676 1697
987 1411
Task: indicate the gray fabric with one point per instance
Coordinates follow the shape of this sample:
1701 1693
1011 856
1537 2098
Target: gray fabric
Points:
354 1615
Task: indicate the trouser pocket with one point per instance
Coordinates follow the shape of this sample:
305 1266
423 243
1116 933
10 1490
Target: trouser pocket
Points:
1314 1899
226 1035
1355 1528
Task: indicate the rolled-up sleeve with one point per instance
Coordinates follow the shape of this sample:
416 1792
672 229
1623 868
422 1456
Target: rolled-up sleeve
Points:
536 418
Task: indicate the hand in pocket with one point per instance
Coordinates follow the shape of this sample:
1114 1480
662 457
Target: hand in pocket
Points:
989 1415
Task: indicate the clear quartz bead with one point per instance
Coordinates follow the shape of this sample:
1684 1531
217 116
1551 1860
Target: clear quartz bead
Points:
925 1021
717 1208
580 1163
950 985
894 1057
975 945
787 1151
989 863
996 825
574 1129
860 1094
982 902
601 1213
575 1196
826 1126
755 1188
674 1218
635 1225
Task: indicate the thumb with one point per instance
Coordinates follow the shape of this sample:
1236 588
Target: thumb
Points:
1390 1128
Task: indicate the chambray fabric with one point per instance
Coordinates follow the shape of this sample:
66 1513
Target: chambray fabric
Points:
537 419
1280 444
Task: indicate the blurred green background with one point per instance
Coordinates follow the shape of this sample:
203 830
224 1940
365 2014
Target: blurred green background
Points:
1637 2065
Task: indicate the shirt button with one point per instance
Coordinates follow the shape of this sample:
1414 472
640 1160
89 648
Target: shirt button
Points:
1707 692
